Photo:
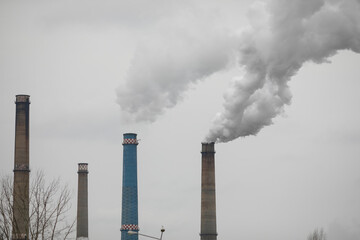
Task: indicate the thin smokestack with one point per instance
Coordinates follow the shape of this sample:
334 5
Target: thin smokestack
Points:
208 194
20 228
129 216
82 207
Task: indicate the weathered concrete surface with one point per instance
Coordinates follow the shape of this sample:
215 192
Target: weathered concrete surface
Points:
21 170
208 194
82 230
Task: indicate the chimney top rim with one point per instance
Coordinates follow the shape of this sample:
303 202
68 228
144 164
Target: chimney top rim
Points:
22 95
22 98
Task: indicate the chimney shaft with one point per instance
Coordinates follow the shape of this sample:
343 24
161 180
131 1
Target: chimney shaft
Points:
82 204
208 195
129 216
20 228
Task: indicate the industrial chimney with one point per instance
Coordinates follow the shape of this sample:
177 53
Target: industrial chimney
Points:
208 196
82 204
129 217
20 228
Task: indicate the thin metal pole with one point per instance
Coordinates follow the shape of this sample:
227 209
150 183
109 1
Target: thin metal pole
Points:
149 236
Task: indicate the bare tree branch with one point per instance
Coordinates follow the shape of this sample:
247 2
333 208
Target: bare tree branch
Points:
49 207
317 235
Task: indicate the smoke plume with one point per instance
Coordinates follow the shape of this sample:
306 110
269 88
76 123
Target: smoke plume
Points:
281 37
166 64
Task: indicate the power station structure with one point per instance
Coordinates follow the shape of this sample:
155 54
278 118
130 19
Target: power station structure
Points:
21 220
82 202
208 194
129 215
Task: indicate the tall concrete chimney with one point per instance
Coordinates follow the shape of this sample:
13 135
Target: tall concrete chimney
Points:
20 228
82 203
129 216
208 195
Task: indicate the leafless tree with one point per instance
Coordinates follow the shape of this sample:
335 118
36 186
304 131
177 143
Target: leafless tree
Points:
49 208
6 213
317 235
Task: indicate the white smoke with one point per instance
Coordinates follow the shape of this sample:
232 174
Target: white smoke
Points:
165 65
282 36
273 49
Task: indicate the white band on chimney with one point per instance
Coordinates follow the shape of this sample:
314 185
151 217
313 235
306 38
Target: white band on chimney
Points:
130 141
83 167
130 227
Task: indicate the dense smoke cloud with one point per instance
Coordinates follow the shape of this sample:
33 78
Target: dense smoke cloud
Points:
282 36
165 65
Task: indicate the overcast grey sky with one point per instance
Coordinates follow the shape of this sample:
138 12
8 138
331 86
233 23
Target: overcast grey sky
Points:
176 65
